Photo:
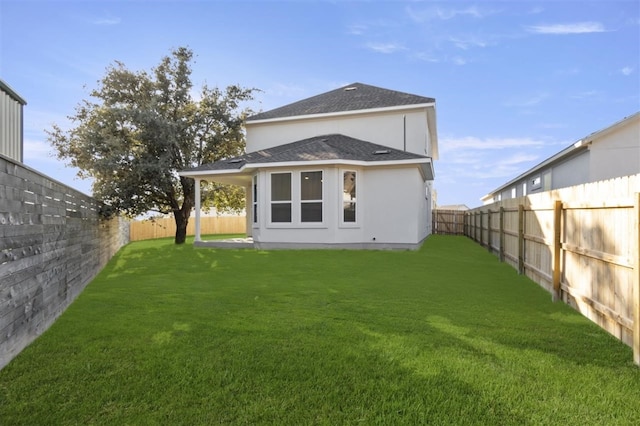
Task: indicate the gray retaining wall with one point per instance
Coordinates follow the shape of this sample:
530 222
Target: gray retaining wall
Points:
52 244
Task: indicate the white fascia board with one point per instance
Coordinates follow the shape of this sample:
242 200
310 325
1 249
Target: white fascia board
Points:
249 167
341 113
197 173
341 162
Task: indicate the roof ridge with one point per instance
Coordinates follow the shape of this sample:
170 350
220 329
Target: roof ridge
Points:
352 97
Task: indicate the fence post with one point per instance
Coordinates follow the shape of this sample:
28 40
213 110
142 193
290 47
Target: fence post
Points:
520 239
501 236
489 231
636 282
557 244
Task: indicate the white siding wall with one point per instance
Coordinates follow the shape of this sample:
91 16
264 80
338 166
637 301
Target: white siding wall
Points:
616 153
394 206
573 171
384 128
391 207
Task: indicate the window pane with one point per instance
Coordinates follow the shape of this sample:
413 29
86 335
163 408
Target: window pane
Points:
349 186
349 210
349 197
255 188
311 212
281 212
311 185
281 187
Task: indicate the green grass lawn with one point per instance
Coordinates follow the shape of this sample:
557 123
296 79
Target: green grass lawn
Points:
444 335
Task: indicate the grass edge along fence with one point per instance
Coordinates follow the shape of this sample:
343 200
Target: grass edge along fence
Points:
151 229
581 243
52 244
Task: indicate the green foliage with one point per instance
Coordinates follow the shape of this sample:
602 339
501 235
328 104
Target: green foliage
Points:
141 128
444 336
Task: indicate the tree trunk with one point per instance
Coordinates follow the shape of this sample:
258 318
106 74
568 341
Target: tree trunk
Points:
181 216
182 221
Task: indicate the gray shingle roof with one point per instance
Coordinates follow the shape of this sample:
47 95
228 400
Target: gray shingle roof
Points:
317 148
353 97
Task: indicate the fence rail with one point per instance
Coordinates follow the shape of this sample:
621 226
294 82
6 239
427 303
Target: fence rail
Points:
166 227
580 243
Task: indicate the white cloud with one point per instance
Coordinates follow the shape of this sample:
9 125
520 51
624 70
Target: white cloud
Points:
106 21
445 14
457 60
626 71
357 29
528 102
426 57
576 28
465 43
482 144
588 94
385 47
38 151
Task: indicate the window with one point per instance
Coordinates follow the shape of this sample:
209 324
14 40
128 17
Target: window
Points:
536 183
311 196
281 197
349 196
255 199
297 198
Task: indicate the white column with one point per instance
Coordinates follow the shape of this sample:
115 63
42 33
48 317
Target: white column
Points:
197 195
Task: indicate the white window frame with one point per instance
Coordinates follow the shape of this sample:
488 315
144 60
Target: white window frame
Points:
536 182
255 190
358 201
301 201
290 201
296 200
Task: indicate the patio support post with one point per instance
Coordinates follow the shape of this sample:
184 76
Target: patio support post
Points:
197 196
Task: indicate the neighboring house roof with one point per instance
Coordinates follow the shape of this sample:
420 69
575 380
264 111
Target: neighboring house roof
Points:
457 207
325 149
5 87
569 151
353 97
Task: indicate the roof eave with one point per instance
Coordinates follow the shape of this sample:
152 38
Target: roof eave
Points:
340 113
4 86
567 152
250 167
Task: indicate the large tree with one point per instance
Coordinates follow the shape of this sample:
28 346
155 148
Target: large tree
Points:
141 128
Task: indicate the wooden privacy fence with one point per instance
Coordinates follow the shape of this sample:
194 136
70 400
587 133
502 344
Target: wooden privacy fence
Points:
580 243
448 222
166 227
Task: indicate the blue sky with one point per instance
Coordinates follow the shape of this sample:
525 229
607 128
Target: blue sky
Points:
514 82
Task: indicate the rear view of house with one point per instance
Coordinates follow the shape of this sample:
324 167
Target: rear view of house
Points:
350 168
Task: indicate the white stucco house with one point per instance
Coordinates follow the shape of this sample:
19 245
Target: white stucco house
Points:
349 168
605 154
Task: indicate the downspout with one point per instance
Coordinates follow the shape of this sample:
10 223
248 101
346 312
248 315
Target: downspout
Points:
404 131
